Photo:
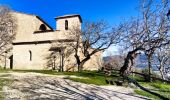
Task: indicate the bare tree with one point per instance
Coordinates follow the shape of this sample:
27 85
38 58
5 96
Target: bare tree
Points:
155 24
146 33
93 38
163 61
7 30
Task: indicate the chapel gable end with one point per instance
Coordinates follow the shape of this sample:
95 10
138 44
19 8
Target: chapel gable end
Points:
42 26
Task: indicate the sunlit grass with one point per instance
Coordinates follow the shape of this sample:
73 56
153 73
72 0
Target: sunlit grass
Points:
88 77
160 88
146 94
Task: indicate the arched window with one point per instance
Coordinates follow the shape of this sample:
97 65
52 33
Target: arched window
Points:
30 55
42 27
66 24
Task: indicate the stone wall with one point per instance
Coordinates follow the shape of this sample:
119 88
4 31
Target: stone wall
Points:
40 57
22 60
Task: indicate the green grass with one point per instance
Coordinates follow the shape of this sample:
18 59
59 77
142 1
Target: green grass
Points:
2 70
39 71
51 72
161 88
91 80
146 94
158 85
155 86
137 78
88 77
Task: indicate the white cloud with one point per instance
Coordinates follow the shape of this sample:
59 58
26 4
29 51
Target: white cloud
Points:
112 50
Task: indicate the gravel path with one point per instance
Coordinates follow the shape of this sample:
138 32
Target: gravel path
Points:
34 86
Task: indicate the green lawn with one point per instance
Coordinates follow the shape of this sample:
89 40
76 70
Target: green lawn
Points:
160 88
155 86
88 77
2 70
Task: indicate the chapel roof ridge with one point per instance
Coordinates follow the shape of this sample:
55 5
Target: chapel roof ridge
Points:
68 16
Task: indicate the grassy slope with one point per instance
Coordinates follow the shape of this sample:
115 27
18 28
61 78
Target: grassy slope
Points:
161 88
89 77
155 86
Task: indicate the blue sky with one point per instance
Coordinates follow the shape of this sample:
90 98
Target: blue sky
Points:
113 11
91 10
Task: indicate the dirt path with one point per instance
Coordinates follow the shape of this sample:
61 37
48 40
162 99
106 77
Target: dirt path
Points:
31 86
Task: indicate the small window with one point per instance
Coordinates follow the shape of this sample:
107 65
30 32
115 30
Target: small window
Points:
30 55
66 24
42 27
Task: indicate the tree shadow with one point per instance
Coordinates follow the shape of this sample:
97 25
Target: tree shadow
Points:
145 89
53 88
159 90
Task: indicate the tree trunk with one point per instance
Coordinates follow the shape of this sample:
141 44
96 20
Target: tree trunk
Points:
162 71
5 62
81 64
162 75
78 62
129 60
53 65
149 68
80 67
62 62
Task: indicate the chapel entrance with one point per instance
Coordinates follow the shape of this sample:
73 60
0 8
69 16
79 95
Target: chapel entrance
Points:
11 61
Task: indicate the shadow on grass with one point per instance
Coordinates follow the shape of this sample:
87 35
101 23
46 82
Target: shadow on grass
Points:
145 89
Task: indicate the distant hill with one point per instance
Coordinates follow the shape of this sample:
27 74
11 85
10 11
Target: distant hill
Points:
107 58
141 61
